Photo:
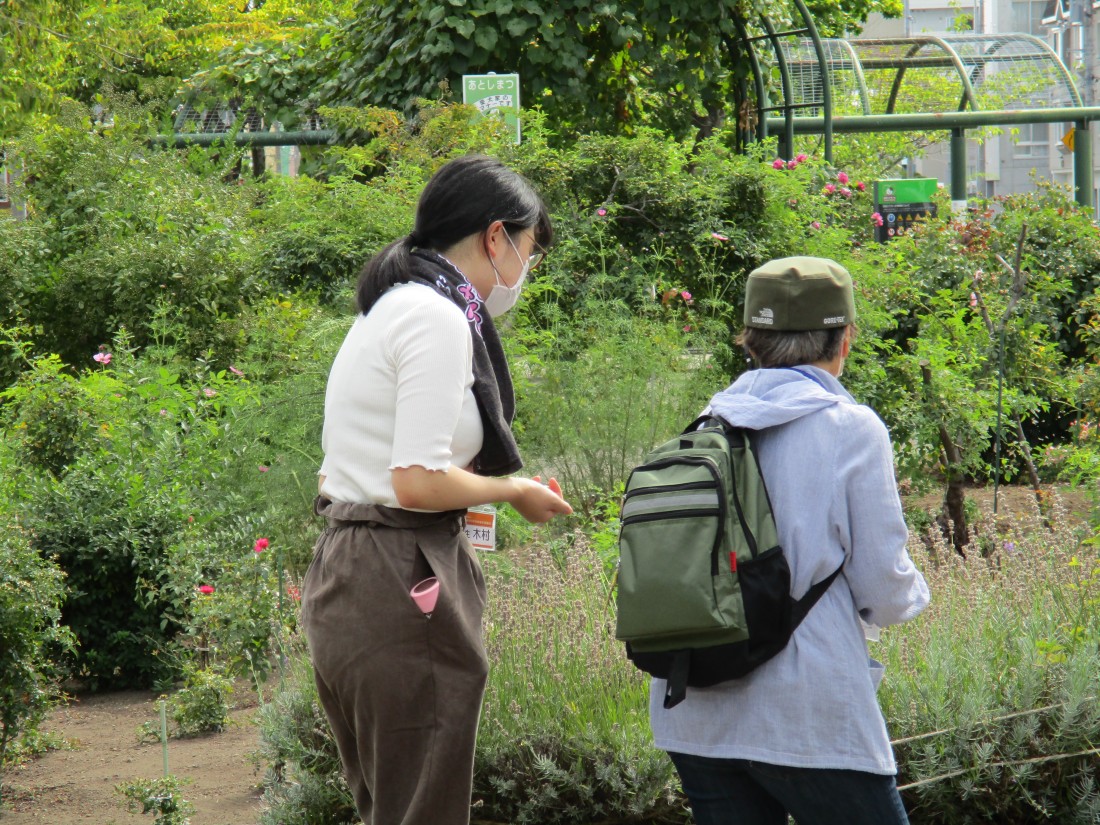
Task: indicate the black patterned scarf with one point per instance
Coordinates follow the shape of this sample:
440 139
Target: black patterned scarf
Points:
492 382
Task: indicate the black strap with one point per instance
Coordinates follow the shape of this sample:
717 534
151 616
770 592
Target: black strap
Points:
695 425
676 685
803 605
746 530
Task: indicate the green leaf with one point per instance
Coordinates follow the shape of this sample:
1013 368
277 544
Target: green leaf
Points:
486 38
463 27
518 26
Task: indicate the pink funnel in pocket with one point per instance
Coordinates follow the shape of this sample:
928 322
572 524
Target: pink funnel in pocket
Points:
425 594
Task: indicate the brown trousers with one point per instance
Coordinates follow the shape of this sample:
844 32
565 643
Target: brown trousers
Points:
402 691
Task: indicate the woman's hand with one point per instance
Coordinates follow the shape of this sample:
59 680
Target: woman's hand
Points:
420 489
537 502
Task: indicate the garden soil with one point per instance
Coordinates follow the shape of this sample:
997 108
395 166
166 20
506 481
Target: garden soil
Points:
78 784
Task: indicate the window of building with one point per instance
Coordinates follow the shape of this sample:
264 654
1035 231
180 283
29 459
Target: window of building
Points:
1027 15
1031 140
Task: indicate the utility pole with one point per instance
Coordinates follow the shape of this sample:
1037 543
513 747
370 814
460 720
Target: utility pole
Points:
1082 17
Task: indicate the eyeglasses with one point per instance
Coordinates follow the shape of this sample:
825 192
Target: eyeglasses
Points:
536 257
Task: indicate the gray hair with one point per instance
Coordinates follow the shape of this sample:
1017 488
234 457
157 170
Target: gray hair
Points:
779 348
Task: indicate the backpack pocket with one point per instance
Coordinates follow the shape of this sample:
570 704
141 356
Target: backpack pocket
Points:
672 585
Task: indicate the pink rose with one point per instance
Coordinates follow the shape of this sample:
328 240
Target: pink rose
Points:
778 163
801 157
842 177
829 189
260 545
206 589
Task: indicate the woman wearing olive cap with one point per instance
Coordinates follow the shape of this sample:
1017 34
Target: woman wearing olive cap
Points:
803 735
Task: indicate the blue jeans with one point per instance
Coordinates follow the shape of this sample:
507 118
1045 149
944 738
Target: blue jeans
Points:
739 792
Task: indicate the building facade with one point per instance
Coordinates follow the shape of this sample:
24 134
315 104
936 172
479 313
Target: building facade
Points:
1011 162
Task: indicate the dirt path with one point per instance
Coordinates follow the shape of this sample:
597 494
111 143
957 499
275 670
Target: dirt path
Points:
67 787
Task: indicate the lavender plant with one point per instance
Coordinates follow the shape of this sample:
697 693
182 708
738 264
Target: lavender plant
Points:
991 695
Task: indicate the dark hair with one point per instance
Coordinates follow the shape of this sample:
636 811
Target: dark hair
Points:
463 198
780 348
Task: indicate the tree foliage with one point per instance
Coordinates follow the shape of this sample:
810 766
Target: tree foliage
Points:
603 66
609 65
52 49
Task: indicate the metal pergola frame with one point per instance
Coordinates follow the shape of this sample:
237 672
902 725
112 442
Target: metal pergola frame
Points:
789 117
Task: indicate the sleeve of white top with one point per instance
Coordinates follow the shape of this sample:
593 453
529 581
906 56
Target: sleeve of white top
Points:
432 354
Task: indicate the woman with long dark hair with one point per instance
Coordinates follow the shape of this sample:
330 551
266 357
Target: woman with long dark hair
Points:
418 414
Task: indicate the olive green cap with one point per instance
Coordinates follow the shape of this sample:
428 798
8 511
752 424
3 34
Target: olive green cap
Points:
799 294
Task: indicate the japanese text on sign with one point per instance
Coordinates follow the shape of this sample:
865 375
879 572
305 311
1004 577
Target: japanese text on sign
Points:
495 96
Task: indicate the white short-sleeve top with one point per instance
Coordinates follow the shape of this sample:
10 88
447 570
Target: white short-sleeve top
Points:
399 394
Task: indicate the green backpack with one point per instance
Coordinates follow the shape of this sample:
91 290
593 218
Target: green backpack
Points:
703 585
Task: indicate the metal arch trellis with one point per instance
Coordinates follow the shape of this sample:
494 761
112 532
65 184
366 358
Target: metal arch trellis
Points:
826 86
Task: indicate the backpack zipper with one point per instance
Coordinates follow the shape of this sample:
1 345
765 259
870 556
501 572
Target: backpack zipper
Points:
691 485
712 468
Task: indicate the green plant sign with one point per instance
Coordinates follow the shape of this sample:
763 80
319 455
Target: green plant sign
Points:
494 94
901 202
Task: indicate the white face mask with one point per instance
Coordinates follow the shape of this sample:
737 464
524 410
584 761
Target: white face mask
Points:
502 298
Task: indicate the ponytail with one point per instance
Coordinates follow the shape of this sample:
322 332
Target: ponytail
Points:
390 266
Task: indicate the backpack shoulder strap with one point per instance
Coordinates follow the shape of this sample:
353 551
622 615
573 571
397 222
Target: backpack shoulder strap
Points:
803 605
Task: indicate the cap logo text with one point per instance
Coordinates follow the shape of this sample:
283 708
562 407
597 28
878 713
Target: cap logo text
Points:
766 317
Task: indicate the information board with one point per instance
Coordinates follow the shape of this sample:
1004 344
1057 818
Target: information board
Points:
902 202
496 95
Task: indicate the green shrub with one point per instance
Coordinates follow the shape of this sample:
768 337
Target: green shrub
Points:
202 704
49 415
991 693
160 797
31 635
117 229
317 236
120 515
236 618
109 529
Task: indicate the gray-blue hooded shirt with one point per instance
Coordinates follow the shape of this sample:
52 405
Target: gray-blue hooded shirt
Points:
828 465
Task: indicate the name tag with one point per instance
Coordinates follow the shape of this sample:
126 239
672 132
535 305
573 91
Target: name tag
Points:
481 527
